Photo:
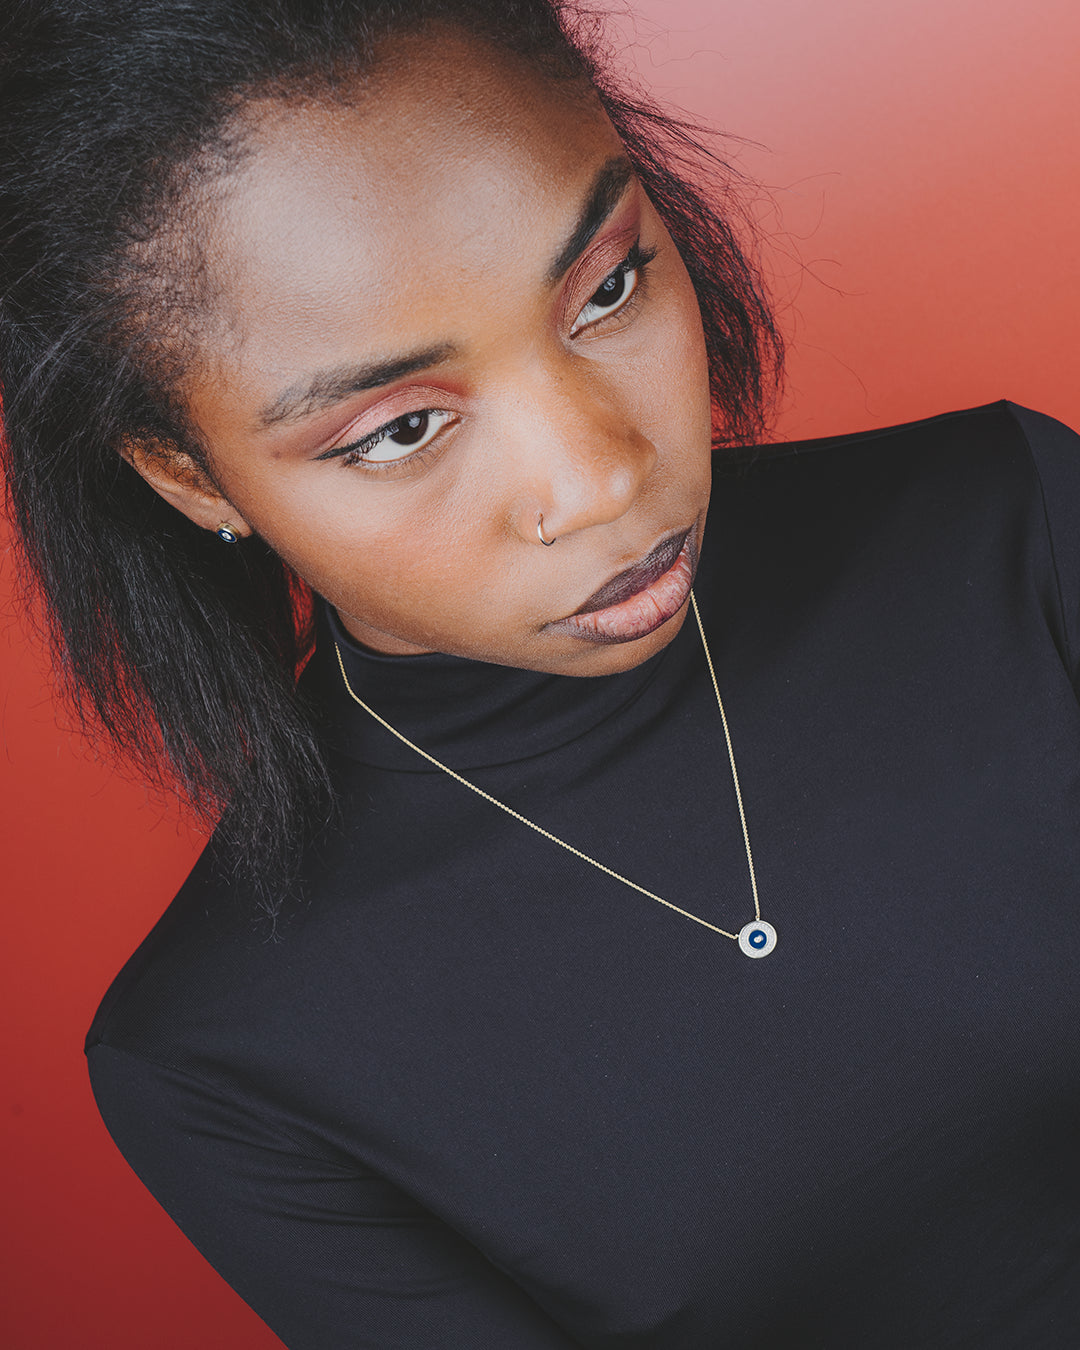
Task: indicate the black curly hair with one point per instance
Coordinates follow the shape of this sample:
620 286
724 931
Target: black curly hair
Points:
185 652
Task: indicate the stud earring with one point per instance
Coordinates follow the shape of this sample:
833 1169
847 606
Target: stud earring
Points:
547 543
226 533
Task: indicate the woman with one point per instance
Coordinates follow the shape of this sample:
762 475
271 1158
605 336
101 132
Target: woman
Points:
411 308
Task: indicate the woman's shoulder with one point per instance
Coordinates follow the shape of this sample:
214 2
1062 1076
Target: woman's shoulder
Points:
214 1023
971 511
1000 457
998 426
175 963
212 969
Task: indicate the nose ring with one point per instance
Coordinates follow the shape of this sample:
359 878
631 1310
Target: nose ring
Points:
547 543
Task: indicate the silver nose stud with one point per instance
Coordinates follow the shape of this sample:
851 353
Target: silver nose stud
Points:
547 543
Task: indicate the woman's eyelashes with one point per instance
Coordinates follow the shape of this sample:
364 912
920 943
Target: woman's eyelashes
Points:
397 440
616 290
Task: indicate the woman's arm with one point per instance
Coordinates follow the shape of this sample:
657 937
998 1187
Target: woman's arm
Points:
331 1257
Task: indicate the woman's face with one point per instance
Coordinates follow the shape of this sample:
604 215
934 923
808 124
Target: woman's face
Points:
452 310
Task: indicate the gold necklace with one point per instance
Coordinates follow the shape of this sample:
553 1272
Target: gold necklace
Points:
755 939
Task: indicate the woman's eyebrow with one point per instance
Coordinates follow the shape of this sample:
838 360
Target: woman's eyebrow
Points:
324 388
607 189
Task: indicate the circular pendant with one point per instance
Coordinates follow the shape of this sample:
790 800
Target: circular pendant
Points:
757 938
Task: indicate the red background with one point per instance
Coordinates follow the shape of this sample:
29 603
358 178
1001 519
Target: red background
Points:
920 161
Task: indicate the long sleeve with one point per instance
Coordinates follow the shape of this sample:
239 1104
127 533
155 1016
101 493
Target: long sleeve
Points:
330 1257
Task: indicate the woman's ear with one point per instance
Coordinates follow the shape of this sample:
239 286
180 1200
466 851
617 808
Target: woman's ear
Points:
176 477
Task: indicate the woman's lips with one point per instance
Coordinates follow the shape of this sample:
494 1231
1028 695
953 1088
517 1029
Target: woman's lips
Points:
639 600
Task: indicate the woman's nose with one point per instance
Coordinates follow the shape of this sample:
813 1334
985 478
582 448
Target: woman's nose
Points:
577 457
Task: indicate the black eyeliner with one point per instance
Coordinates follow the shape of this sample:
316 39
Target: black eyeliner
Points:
365 442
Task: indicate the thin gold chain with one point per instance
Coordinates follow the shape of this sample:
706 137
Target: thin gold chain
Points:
730 754
554 838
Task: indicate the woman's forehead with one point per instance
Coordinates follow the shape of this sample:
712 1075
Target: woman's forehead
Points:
447 166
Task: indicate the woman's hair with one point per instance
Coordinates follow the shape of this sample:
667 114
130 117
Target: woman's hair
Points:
113 113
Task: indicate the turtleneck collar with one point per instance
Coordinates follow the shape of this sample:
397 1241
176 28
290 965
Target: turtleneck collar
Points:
469 713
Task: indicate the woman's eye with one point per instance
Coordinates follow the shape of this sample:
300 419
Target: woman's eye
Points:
615 289
609 297
399 439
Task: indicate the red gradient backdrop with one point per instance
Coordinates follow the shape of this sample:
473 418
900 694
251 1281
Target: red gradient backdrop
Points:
921 165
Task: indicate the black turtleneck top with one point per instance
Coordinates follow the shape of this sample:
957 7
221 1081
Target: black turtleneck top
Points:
475 1093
